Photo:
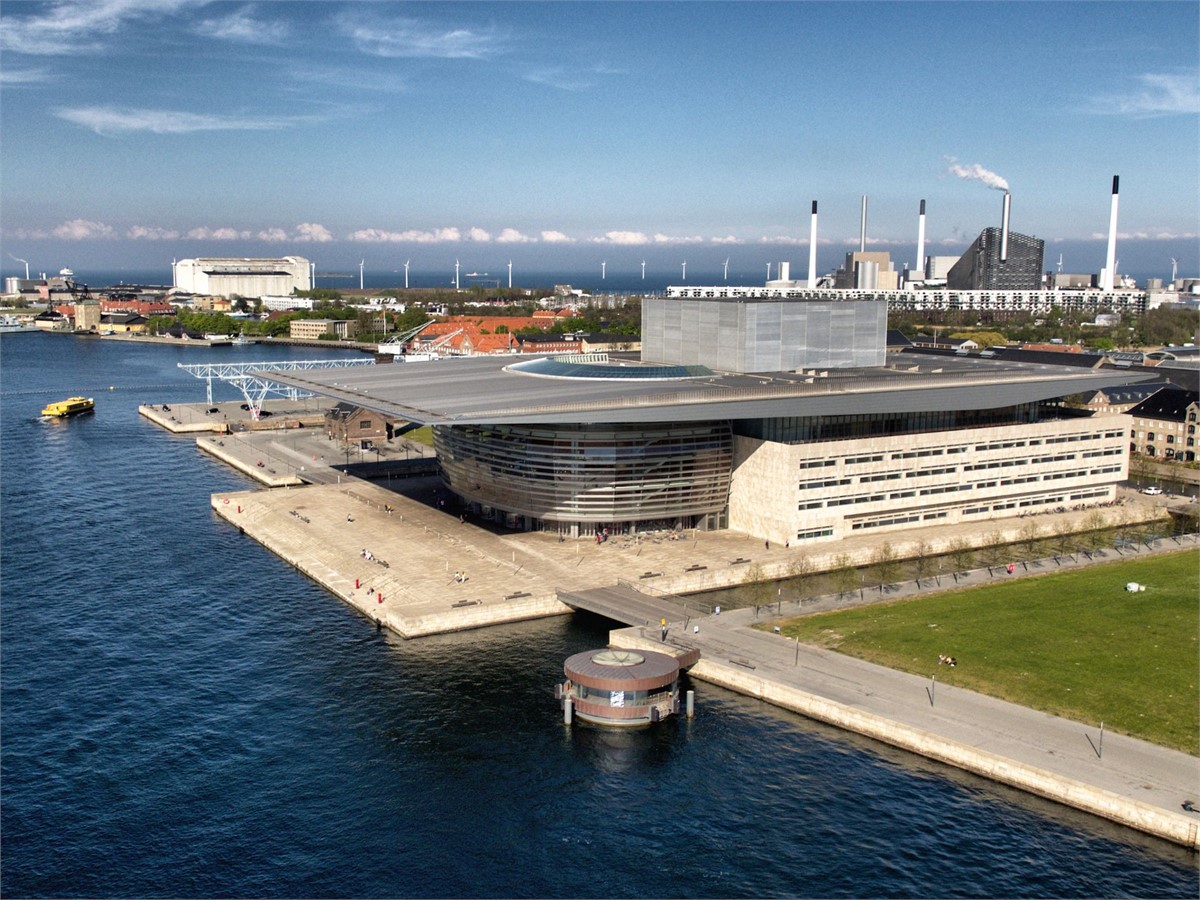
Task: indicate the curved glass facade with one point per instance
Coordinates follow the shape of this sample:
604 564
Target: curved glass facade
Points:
590 474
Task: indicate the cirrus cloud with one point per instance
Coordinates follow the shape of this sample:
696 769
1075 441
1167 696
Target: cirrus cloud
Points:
110 121
76 26
241 26
400 38
1159 94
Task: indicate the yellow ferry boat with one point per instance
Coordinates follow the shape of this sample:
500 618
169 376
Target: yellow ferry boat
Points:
72 406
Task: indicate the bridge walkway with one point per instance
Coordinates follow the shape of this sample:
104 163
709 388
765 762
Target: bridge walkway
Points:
623 603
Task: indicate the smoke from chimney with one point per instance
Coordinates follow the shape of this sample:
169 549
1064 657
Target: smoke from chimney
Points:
976 172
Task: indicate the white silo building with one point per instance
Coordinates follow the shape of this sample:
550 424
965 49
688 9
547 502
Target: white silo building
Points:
230 276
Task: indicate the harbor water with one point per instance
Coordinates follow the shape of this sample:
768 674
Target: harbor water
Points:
185 715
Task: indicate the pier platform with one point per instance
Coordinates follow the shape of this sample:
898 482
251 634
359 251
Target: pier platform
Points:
391 549
1135 783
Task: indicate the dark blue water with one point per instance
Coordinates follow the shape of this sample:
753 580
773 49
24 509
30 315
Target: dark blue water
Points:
185 715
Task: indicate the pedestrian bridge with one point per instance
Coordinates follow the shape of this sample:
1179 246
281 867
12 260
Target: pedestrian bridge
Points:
623 603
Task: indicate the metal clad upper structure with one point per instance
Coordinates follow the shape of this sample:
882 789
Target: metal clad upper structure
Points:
761 335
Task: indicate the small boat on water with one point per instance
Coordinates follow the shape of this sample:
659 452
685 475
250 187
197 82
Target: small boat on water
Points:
72 406
10 324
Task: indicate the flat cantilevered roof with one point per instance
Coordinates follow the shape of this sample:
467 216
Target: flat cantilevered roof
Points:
485 390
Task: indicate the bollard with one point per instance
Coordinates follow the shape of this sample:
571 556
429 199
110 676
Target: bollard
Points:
356 584
567 707
691 704
379 596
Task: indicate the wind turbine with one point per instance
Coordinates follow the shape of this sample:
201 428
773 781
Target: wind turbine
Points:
727 268
406 262
685 270
603 265
18 259
360 273
644 269
1174 270
456 275
510 273
1060 264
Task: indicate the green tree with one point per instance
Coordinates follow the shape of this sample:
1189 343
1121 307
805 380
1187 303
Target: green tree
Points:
962 554
1095 531
801 570
922 563
1064 539
1031 540
884 564
844 575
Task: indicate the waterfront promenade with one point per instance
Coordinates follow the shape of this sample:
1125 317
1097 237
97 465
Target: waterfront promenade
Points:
429 571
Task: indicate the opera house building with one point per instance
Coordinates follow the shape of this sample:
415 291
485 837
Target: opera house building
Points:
780 418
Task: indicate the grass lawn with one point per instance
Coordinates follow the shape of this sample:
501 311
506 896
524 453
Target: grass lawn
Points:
1075 644
422 435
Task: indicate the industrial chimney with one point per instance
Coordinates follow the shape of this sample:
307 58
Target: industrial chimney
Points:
1004 228
1108 277
812 250
862 231
921 241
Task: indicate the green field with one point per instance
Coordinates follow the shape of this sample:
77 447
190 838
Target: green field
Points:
1075 644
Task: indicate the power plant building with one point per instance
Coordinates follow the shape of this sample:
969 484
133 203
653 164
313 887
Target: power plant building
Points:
578 444
987 267
230 277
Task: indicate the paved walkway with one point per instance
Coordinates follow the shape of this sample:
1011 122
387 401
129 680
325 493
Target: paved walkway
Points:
1126 767
324 528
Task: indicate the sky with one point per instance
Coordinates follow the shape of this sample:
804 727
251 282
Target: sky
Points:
563 135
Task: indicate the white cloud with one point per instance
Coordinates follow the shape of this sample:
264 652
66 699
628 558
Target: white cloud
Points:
728 239
512 236
243 27
1151 235
273 235
110 121
556 237
76 26
379 236
1159 95
13 77
311 232
622 238
478 234
877 242
669 239
400 38
787 240
216 234
151 233
82 230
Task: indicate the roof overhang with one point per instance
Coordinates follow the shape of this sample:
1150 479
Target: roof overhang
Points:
482 391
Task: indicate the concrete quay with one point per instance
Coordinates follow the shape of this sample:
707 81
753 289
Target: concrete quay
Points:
1132 782
416 549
